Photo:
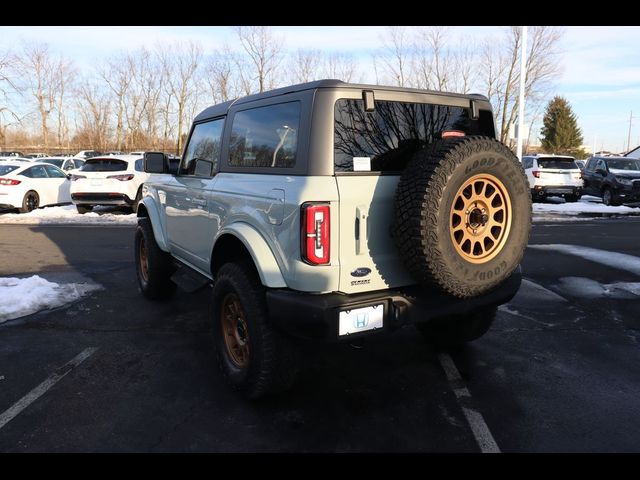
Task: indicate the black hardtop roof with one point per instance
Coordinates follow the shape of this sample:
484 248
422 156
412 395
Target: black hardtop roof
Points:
222 108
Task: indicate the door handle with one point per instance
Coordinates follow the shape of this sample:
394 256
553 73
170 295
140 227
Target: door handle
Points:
361 229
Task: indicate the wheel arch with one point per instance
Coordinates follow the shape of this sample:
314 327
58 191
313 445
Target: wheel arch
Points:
241 240
148 208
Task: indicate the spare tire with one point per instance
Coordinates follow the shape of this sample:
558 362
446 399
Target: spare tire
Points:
462 215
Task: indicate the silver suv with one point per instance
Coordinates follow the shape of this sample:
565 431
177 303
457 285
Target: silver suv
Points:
333 211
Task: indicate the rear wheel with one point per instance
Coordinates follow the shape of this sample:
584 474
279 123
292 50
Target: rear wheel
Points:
134 207
457 330
30 202
82 209
255 359
153 265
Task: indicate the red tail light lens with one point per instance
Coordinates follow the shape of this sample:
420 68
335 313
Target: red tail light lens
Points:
9 181
122 178
77 177
535 173
315 232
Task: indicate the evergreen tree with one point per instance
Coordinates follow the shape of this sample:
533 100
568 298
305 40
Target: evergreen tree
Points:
560 132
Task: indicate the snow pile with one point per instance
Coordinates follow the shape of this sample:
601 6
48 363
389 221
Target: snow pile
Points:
67 215
582 207
24 296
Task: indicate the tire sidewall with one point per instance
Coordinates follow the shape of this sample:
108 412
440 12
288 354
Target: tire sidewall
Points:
510 173
241 379
141 235
25 204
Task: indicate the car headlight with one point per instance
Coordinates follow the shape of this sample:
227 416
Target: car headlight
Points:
624 181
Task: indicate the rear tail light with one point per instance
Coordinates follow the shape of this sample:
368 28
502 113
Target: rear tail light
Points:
77 177
453 133
122 178
535 173
314 233
9 181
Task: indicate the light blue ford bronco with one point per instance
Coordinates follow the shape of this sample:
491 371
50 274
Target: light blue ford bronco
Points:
331 211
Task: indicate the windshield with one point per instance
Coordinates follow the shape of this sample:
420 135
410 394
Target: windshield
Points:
623 164
557 162
54 161
104 165
4 169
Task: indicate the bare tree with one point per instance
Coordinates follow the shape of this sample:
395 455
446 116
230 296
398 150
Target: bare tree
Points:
94 112
304 66
184 60
8 86
62 79
501 71
118 78
264 51
395 57
341 66
40 72
219 75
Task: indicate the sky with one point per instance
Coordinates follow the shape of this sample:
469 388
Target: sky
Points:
600 65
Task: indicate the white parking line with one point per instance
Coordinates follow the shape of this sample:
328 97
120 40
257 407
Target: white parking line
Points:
33 395
479 427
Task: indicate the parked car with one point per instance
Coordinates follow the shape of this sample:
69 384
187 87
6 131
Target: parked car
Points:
15 159
334 211
11 154
84 154
27 186
615 179
35 155
553 175
108 180
66 164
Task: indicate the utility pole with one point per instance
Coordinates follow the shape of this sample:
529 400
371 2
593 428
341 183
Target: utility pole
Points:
523 72
629 135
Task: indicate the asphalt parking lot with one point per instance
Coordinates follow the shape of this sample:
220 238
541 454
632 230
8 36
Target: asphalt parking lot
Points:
115 372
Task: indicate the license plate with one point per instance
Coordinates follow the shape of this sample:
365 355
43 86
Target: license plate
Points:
360 319
96 183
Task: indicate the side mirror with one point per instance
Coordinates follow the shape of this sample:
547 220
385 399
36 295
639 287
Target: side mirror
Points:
156 162
69 176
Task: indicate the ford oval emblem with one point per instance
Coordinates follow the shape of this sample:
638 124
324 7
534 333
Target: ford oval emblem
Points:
361 272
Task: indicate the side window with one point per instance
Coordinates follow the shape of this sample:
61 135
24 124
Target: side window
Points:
68 165
35 172
137 166
601 165
527 163
78 163
265 136
203 152
54 172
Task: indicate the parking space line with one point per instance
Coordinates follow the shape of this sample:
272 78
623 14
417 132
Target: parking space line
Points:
479 427
33 395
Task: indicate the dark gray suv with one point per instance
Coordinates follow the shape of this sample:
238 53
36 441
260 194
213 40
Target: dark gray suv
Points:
615 179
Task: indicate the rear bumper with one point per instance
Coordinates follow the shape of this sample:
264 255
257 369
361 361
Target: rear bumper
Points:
555 190
316 316
101 199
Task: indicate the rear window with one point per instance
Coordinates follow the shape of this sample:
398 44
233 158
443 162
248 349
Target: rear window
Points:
385 140
4 169
104 165
559 163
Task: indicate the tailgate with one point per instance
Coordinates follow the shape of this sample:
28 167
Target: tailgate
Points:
366 214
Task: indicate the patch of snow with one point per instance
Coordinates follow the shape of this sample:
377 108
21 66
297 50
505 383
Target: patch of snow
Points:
24 296
589 288
68 215
622 261
582 207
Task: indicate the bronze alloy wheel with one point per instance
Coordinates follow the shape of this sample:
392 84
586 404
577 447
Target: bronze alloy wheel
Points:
480 218
144 260
235 331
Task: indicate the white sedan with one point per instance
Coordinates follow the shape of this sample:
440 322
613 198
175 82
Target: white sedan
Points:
112 180
29 185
